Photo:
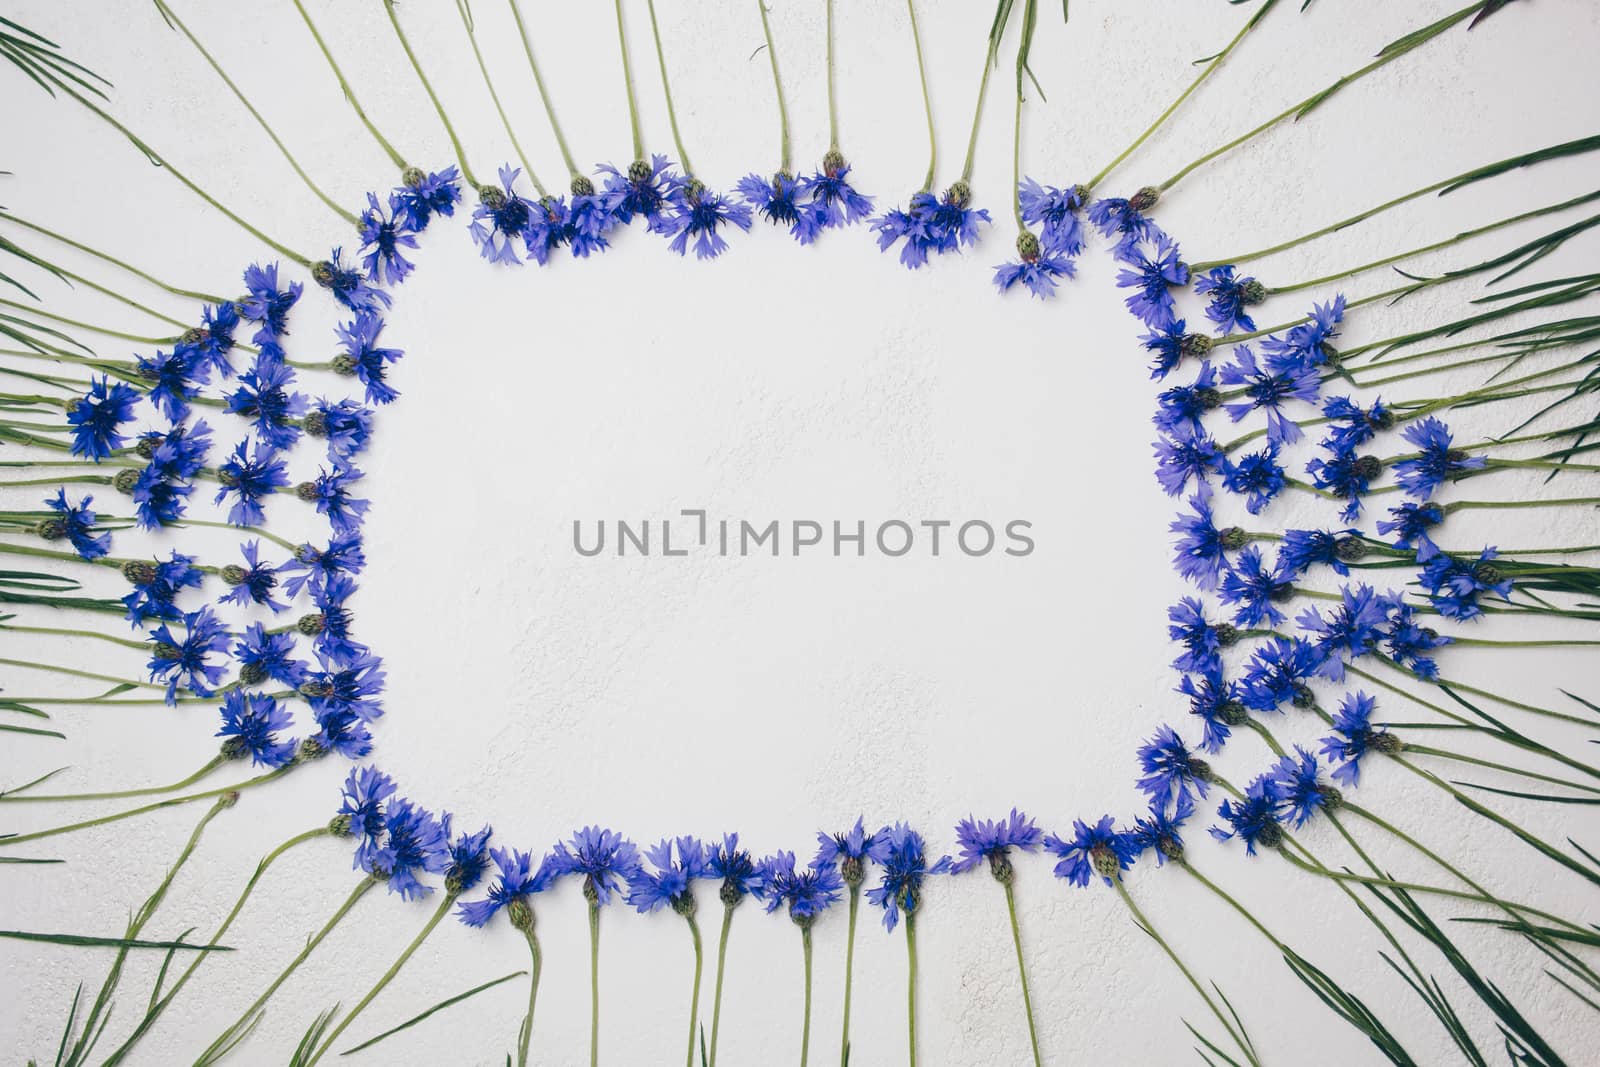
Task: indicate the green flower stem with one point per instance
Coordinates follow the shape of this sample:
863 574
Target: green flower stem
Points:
64 479
253 531
1295 111
544 96
1022 972
1227 898
1239 1039
125 642
477 54
627 81
173 20
805 1017
833 99
388 976
1448 685
1464 235
209 298
427 86
17 839
594 983
23 798
72 557
135 338
666 91
694 994
777 85
349 94
240 1027
72 276
525 1034
157 1007
1458 757
1557 502
989 63
74 673
1016 155
849 972
94 1023
1209 69
716 996
927 100
911 984
1483 642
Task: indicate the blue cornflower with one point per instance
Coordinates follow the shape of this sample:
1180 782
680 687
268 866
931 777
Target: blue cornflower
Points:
1202 642
250 477
340 731
467 857
361 811
1171 769
649 190
1300 550
518 880
671 884
1306 346
1410 524
254 582
267 305
984 839
330 627
1352 628
156 585
97 418
179 453
365 358
75 523
1353 736
349 286
1347 475
345 424
778 201
931 224
157 501
1278 673
546 229
426 195
1183 407
1254 819
1200 552
740 875
1125 220
1230 296
186 660
1169 342
382 238
850 851
1034 268
807 893
1187 452
1161 832
1256 588
263 396
587 220
507 216
834 201
1354 425
1454 585
414 841
1301 789
1408 643
1153 277
342 556
172 379
330 491
1093 850
699 214
1258 476
604 858
250 722
905 867
1268 390
262 656
1055 212
1437 462
1216 704
213 341
348 687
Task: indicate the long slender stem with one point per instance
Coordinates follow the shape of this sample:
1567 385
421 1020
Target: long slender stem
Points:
1504 768
211 765
716 996
911 984
1022 972
388 976
192 294
138 339
537 965
349 94
173 19
927 100
666 91
427 86
1240 908
627 81
594 983
989 64
833 99
849 972
805 1017
230 1035
694 993
777 83
1210 68
488 82
544 95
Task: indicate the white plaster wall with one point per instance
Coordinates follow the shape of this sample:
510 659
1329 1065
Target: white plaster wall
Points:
538 690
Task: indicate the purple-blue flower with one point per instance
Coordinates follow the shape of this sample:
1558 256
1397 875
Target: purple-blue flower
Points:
1230 295
1436 462
993 840
365 358
262 656
98 416
1171 769
414 842
806 892
267 305
186 660
677 863
254 582
74 523
1253 819
518 880
347 284
425 195
1354 735
250 477
1100 850
361 811
604 858
250 722
382 238
1257 476
698 216
264 397
905 867
1454 585
1056 213
1153 276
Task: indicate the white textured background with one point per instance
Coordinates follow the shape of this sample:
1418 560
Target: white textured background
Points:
539 690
